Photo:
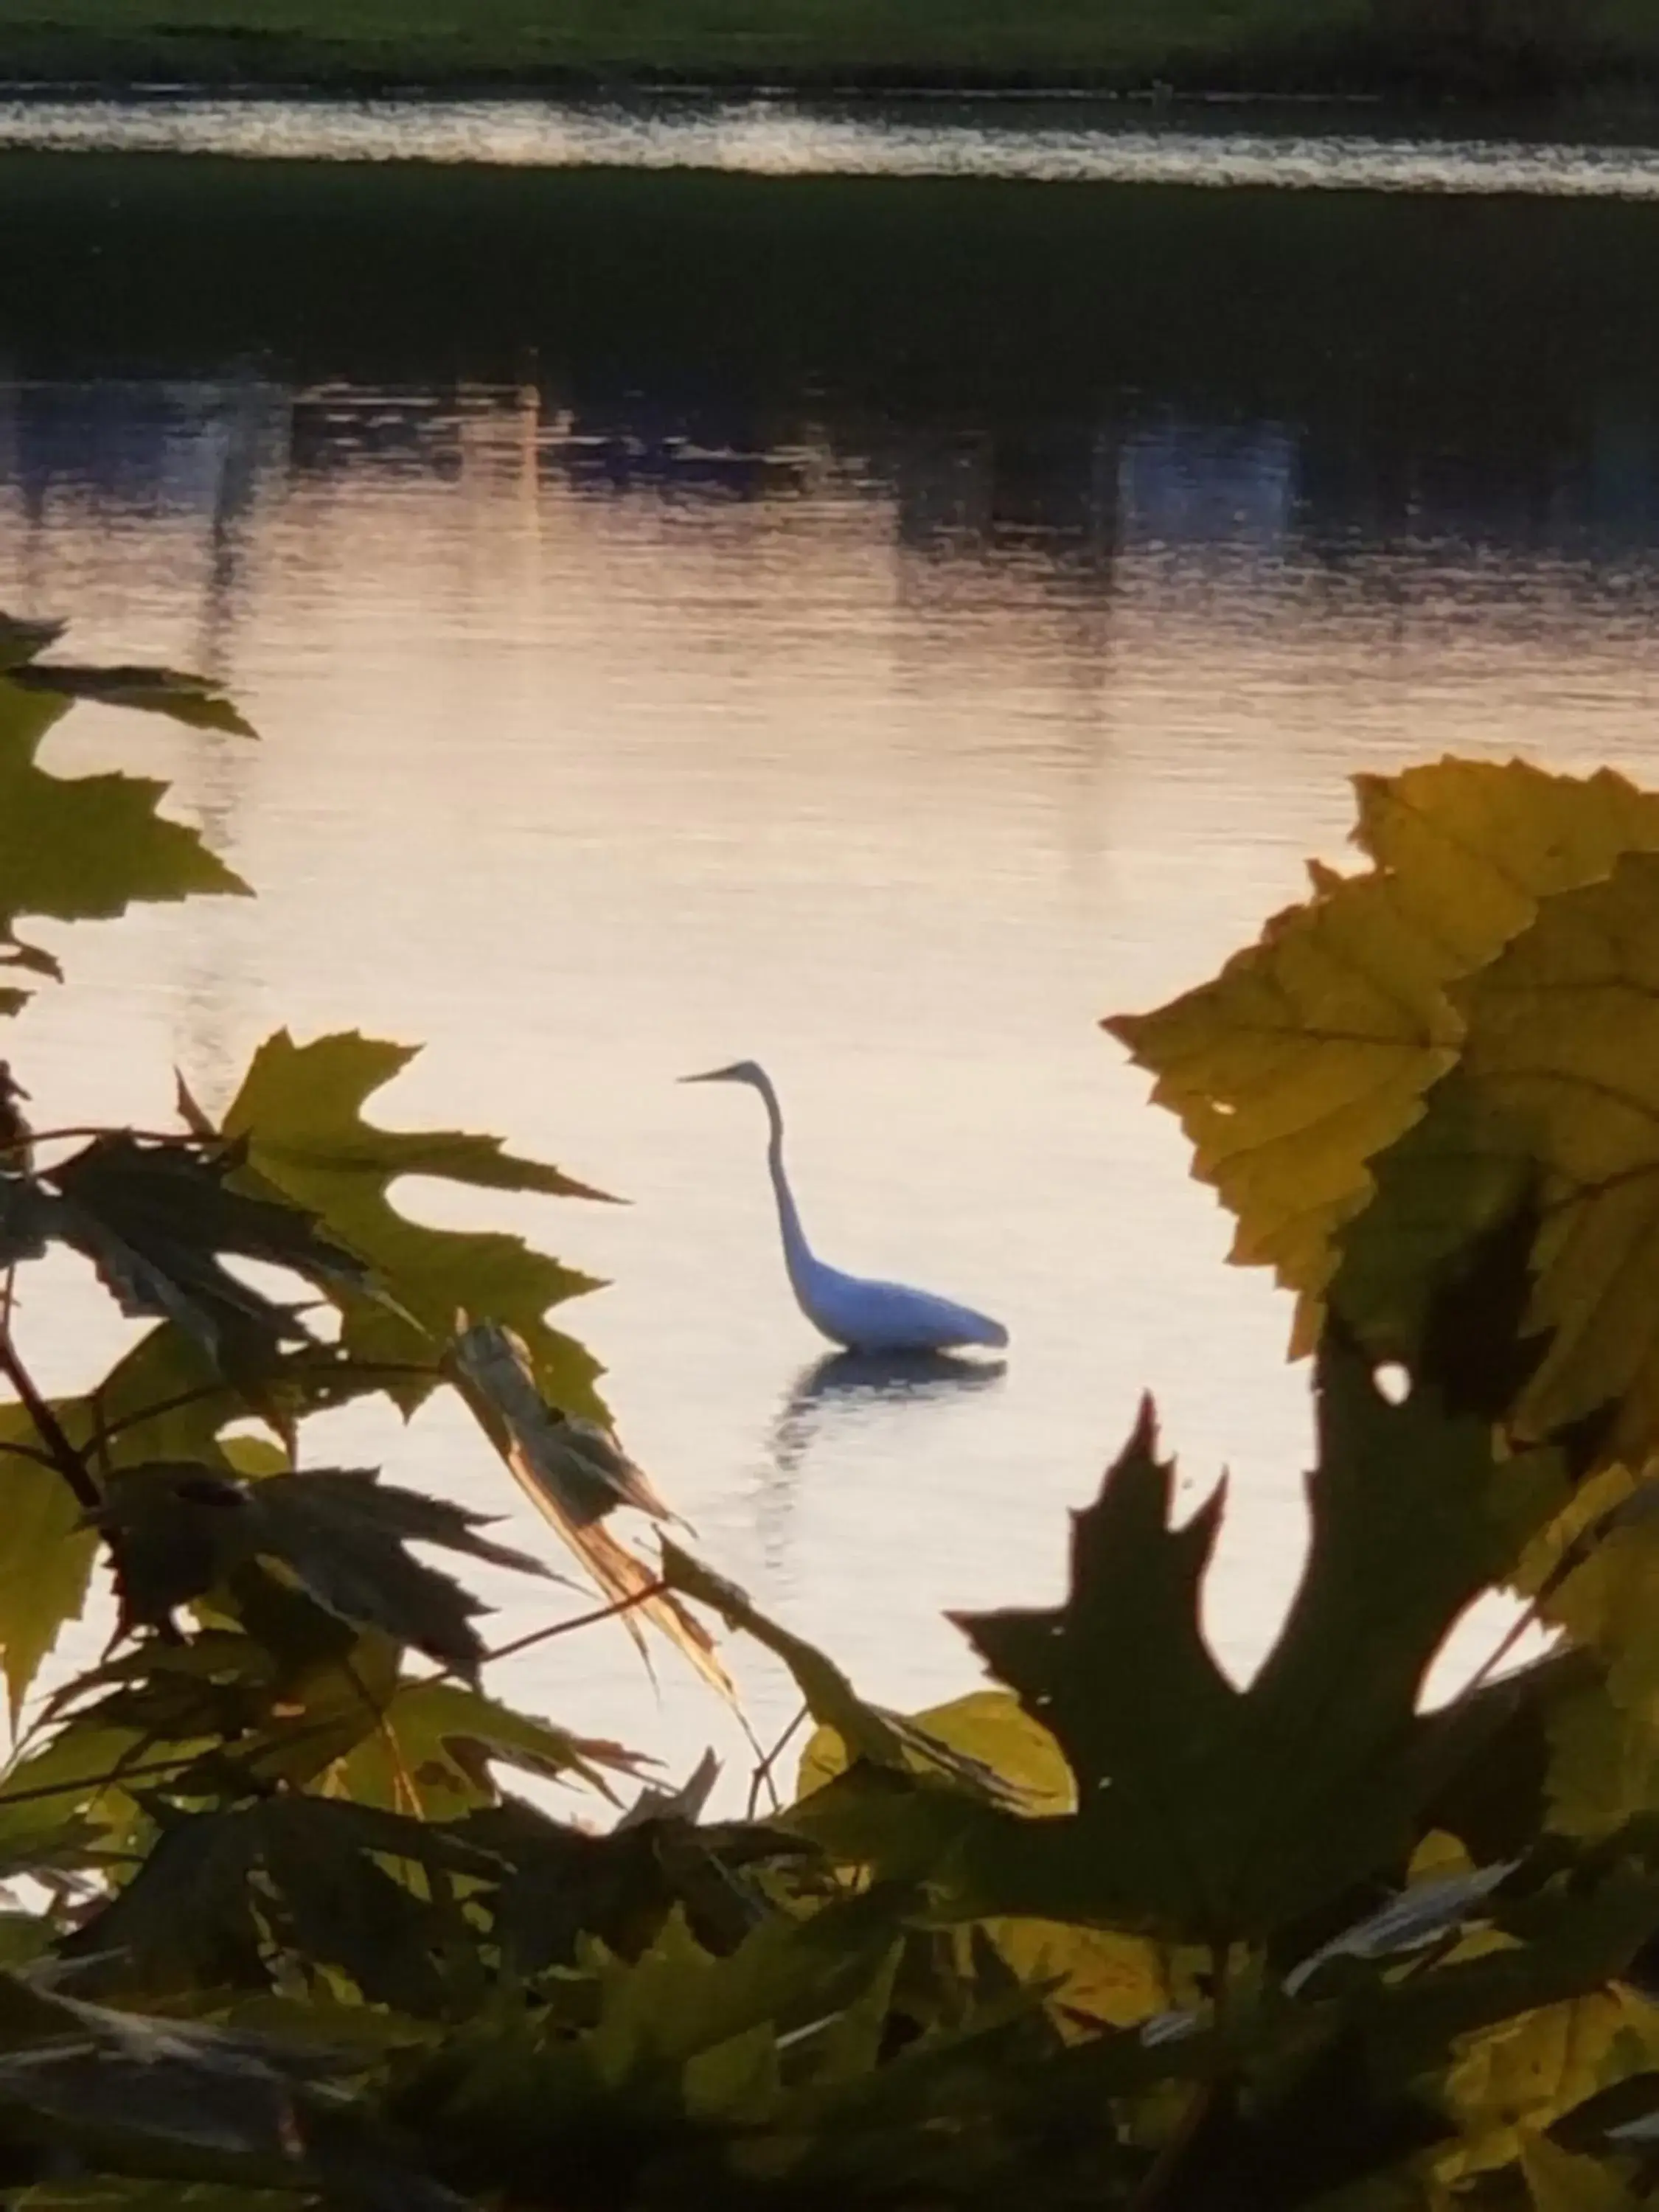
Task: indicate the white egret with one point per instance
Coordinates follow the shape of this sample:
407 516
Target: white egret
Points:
850 1310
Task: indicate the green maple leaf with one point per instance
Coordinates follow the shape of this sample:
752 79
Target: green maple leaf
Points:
1561 1059
84 848
435 1741
1312 1052
299 1111
1549 1121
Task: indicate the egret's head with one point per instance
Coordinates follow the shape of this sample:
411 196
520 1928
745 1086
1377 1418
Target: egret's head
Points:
740 1071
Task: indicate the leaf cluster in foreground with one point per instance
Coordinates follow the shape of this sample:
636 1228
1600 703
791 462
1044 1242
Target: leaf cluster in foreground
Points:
296 1911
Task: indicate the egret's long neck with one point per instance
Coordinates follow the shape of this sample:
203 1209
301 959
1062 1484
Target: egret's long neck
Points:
796 1253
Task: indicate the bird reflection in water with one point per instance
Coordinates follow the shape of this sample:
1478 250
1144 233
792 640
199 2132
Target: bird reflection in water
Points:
837 1396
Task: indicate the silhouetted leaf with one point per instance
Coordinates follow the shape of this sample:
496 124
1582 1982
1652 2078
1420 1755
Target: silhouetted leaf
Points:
560 1887
22 638
1227 1811
299 1111
154 1219
220 1896
27 1213
187 1919
117 2193
192 700
163 1400
338 1905
185 2095
184 1530
179 1698
1435 1273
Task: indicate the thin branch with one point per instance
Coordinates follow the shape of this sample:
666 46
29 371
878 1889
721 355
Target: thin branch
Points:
106 1433
183 1400
97 1442
402 1781
558 1628
118 1778
1157 2183
143 1771
27 1451
65 1457
578 1620
1161 2175
762 1773
1530 1618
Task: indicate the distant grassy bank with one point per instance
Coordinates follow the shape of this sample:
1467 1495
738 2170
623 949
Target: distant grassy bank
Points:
1497 48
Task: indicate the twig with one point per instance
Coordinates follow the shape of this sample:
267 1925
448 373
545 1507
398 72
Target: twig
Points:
1156 2184
578 1620
182 1399
27 1451
278 1740
402 1781
762 1772
65 1457
557 1628
145 1771
1483 1674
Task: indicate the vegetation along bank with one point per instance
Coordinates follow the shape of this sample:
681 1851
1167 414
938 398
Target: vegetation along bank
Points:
1491 49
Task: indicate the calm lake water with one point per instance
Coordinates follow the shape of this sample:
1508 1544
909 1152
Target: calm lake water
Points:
874 624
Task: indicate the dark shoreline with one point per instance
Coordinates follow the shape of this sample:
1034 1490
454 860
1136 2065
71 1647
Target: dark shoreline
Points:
1346 71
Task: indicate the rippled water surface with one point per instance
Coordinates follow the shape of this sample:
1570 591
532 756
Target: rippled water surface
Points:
878 625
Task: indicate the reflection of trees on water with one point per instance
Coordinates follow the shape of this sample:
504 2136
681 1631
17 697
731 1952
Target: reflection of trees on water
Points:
1057 499
163 447
1050 491
841 1397
203 451
1474 365
1067 495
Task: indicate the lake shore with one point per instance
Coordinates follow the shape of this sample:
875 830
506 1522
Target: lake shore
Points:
1499 51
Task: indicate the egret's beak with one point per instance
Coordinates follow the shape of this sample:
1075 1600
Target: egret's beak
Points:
711 1075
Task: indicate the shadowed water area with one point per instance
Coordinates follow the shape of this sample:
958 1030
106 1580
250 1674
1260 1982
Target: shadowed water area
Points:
873 624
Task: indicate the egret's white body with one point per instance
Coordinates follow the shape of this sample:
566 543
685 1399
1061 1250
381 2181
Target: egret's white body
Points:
850 1310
